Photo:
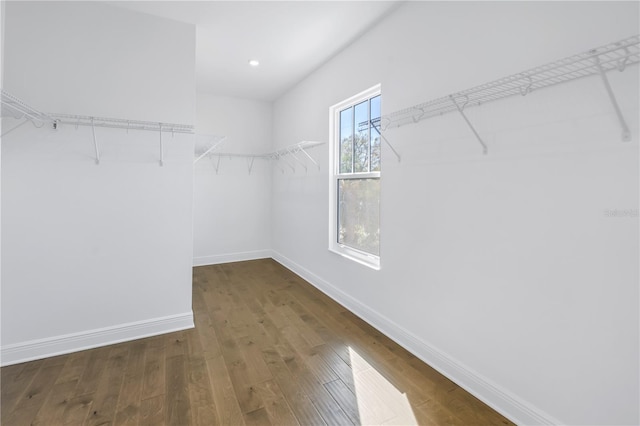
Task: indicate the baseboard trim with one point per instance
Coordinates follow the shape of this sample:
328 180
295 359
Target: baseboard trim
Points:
231 257
64 344
501 400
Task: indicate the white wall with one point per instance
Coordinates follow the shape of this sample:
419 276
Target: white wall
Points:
2 14
232 213
94 254
503 270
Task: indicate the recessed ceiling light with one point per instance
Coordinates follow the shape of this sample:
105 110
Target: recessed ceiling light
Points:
254 62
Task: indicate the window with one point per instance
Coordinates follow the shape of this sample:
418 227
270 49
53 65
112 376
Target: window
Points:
354 229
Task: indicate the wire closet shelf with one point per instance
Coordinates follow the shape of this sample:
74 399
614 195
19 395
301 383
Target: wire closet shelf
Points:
120 123
297 152
613 56
13 107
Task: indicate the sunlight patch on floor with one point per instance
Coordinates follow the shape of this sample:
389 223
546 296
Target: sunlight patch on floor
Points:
379 402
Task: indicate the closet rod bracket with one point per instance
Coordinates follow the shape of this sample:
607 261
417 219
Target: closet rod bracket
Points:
626 134
460 110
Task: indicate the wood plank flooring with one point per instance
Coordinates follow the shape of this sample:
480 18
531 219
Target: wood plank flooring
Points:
268 349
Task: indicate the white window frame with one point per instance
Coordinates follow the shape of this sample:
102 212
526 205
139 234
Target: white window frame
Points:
356 255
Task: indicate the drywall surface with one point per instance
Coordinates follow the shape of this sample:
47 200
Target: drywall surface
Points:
1 43
1 131
232 214
95 253
515 273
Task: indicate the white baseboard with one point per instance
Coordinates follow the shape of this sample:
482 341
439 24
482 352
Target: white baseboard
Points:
58 345
231 257
501 400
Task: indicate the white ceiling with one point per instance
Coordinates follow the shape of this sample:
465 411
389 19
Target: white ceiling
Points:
289 38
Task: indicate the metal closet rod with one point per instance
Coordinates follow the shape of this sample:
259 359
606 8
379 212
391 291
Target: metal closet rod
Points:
598 61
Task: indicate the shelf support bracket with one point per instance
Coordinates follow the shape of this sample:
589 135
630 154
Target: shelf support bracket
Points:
295 157
310 157
282 157
377 129
161 147
217 165
14 128
214 146
274 158
460 108
250 163
626 134
95 141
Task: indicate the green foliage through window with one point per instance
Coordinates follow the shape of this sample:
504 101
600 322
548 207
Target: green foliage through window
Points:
359 198
359 214
360 137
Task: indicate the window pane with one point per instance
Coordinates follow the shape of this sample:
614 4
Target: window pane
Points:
359 214
346 141
375 134
361 151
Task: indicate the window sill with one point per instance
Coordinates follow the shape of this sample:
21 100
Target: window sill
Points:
362 258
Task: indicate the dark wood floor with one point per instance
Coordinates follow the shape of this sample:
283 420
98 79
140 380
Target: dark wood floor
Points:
268 349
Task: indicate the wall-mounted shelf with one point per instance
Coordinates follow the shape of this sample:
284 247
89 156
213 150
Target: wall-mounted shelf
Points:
13 107
205 145
119 123
598 61
297 152
292 151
